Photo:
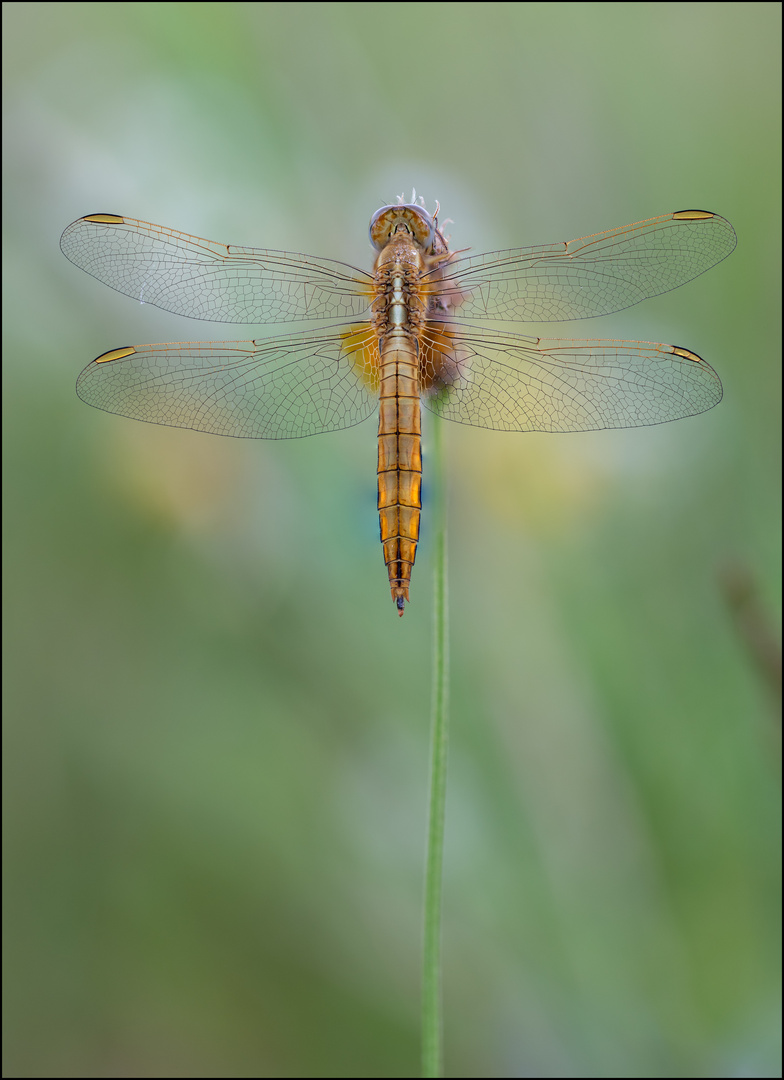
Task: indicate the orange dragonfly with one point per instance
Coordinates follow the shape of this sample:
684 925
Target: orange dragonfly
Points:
396 339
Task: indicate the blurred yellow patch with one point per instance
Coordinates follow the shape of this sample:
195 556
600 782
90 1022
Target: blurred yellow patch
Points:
361 344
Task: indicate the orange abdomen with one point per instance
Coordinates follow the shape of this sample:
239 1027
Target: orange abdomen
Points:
399 460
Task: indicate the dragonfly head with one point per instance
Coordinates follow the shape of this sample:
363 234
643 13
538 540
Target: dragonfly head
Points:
410 217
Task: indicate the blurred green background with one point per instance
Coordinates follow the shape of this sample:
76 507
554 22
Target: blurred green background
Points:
216 725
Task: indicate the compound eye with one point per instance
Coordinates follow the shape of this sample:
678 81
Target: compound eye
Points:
415 219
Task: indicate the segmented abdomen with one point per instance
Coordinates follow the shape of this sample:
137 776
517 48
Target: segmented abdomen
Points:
399 460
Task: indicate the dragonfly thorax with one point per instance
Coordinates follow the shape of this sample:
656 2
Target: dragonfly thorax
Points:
399 298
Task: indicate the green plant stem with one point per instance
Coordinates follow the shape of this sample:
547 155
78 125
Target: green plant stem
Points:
431 982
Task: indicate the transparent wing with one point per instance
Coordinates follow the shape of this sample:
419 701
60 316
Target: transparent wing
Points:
594 275
206 280
510 383
278 389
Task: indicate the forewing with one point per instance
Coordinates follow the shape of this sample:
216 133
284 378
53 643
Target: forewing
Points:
278 389
594 275
510 383
206 280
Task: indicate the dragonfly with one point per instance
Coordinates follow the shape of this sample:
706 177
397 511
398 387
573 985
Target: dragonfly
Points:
407 334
